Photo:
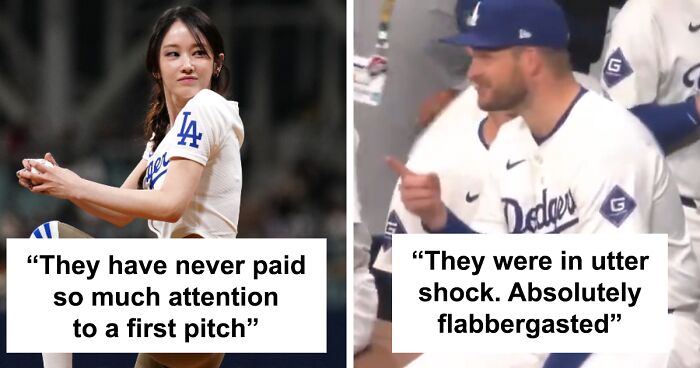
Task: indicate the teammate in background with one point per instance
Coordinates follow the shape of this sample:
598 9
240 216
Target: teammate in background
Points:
574 163
588 26
655 71
188 182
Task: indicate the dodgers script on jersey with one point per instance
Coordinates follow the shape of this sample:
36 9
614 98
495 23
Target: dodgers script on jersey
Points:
453 148
209 131
653 56
599 171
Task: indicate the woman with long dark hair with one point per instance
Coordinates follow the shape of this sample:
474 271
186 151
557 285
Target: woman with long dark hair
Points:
188 182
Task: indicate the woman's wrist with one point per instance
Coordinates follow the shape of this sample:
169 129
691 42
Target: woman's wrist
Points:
78 191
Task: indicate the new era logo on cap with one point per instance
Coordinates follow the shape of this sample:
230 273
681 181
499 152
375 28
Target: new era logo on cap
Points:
523 34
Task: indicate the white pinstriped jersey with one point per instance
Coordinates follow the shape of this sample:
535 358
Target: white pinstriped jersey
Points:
209 131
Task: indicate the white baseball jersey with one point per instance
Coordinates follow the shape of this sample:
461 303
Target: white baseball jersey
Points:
452 147
598 171
209 131
653 56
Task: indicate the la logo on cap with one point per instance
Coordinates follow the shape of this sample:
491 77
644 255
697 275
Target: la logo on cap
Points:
471 21
524 33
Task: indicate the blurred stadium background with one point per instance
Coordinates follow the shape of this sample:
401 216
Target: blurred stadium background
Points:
73 82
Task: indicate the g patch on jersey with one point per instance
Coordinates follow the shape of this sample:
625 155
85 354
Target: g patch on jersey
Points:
616 68
617 206
393 226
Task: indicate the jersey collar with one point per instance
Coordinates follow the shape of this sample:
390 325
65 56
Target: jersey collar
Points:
562 119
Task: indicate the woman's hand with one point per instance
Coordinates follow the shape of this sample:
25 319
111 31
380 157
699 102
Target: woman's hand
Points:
26 167
54 181
49 157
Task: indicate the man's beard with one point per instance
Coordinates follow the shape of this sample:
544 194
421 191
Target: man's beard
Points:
505 99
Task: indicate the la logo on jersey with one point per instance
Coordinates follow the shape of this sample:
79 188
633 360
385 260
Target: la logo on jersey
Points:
188 131
550 215
156 169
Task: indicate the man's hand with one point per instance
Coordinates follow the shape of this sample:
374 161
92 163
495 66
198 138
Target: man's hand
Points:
420 194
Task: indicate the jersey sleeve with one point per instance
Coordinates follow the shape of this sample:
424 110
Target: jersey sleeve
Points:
631 70
629 199
667 217
201 128
615 195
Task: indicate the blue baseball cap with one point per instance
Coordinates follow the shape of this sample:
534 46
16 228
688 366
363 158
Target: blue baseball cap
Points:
498 24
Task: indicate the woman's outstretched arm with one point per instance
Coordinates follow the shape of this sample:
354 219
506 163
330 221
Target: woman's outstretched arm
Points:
165 204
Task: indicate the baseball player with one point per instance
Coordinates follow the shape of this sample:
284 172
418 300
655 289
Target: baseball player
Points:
459 138
575 162
450 144
655 71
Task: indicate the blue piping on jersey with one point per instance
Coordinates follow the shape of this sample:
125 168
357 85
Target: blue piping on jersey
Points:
562 119
669 123
480 131
565 360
